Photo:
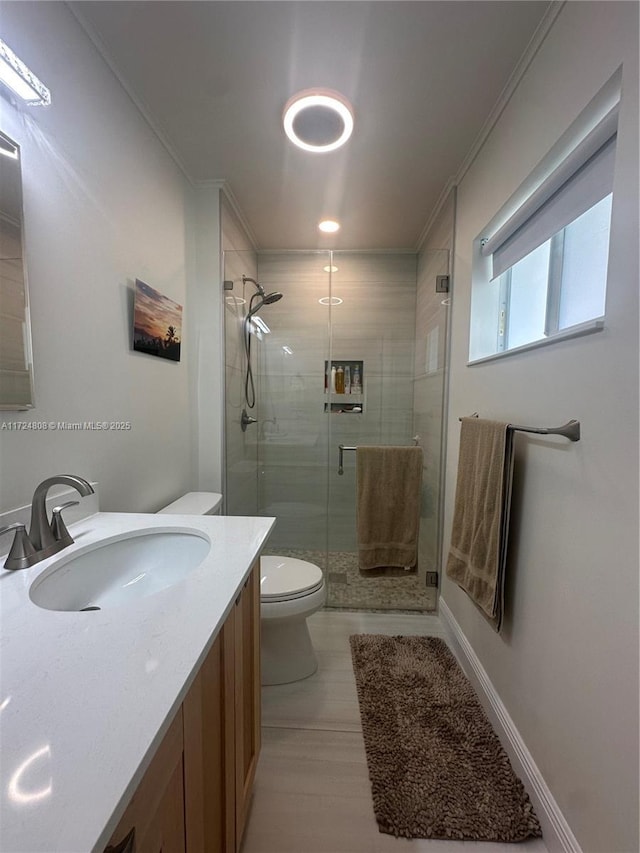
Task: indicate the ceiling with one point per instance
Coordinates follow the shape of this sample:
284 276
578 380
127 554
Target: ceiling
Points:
423 77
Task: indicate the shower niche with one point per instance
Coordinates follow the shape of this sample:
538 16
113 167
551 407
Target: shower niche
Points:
344 386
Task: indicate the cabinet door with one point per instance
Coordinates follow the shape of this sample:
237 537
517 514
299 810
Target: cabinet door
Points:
247 694
156 810
209 755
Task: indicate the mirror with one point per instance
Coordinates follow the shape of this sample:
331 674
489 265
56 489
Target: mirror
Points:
16 371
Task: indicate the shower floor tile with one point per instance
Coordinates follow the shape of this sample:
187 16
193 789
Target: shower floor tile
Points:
348 589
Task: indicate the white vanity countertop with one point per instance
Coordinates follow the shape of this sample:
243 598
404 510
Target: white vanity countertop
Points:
85 698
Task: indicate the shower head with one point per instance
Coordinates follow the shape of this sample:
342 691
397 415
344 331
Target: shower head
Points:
271 297
265 299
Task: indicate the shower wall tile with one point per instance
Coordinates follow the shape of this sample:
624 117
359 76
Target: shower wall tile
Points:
233 320
431 315
374 267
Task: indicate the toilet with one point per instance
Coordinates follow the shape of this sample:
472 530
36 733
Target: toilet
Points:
195 503
290 591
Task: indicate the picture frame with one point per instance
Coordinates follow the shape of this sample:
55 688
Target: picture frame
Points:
157 323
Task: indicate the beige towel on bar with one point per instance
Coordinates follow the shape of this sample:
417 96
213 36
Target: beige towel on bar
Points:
388 483
479 536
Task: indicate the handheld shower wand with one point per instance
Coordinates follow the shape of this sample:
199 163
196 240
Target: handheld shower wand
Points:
263 299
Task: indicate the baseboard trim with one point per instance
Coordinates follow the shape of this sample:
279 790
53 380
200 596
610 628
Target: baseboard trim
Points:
557 833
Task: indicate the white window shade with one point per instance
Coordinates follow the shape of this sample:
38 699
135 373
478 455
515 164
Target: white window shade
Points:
583 179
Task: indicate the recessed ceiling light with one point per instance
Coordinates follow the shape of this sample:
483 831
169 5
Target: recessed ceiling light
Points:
330 269
329 226
330 300
318 120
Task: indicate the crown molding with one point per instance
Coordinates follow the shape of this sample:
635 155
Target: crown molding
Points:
530 52
515 78
142 108
237 210
442 198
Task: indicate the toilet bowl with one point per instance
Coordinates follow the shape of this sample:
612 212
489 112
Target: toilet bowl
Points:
290 591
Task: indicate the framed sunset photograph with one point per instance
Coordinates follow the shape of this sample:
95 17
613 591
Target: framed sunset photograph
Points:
157 323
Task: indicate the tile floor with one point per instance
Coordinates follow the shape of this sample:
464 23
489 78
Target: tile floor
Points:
312 792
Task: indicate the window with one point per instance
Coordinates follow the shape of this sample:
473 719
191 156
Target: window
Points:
559 284
542 274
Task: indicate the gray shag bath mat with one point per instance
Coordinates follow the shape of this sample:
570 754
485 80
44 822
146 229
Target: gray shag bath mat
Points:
436 766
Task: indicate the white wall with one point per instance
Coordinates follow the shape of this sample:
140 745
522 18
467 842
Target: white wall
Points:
208 338
566 665
104 204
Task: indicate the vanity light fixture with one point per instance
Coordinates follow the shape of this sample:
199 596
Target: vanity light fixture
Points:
318 120
20 79
329 226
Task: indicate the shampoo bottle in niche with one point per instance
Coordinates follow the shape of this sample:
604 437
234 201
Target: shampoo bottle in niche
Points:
347 380
356 385
340 380
333 380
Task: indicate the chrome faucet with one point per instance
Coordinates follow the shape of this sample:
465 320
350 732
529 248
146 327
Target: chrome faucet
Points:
44 538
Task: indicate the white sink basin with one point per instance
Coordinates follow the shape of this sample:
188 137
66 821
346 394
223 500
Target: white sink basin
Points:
119 570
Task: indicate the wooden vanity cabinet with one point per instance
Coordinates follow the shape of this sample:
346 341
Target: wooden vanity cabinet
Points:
247 695
156 810
195 795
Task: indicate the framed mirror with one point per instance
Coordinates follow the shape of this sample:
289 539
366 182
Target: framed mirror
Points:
16 368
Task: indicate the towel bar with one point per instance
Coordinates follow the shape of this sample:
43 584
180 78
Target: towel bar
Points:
570 430
342 448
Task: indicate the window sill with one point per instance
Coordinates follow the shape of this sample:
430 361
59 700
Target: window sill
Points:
572 332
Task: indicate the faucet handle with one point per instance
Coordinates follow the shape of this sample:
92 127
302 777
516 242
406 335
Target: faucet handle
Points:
22 551
58 527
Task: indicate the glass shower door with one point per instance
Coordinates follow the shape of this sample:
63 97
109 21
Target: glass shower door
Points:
378 328
293 428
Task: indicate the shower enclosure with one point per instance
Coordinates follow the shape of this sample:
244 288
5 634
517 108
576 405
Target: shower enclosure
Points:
377 319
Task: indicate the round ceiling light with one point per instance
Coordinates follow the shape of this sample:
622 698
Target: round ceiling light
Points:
330 268
318 120
330 300
329 226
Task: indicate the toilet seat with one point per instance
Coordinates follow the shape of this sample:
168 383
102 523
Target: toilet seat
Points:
287 579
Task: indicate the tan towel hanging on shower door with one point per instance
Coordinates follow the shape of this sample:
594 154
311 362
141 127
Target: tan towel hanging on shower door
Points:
388 483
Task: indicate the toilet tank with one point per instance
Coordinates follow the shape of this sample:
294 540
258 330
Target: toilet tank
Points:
195 503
